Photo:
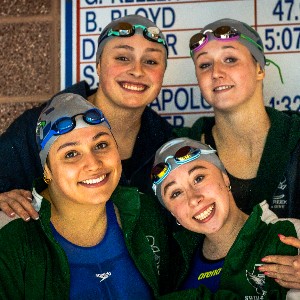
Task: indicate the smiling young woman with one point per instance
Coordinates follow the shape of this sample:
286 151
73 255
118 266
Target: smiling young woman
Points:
191 182
88 238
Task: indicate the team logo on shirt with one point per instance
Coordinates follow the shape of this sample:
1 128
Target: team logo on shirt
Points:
257 279
103 276
279 200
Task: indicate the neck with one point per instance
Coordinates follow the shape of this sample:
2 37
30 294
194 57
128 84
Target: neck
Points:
217 245
83 225
125 123
244 125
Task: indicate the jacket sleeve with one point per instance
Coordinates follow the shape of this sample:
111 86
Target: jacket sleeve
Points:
19 159
202 293
12 260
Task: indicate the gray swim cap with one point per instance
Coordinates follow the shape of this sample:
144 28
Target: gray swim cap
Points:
185 150
132 20
64 108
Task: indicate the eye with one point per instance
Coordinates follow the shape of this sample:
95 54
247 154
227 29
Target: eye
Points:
71 154
151 62
204 66
230 60
175 194
101 145
198 179
122 58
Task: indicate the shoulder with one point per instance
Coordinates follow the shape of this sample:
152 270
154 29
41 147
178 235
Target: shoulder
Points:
12 232
5 220
80 88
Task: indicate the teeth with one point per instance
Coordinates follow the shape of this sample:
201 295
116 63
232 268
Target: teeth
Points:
224 87
133 87
93 181
205 214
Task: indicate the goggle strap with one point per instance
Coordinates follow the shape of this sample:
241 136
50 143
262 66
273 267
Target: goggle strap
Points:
251 41
203 151
269 61
154 188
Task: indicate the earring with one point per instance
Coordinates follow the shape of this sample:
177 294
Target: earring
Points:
47 180
229 188
177 222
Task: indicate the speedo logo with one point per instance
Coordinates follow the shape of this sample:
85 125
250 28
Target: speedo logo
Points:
209 274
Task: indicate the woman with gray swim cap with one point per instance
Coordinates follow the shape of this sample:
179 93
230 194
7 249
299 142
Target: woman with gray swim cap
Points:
225 252
88 242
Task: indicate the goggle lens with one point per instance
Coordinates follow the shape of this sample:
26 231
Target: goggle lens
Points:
63 125
184 153
159 171
93 116
122 29
197 40
225 32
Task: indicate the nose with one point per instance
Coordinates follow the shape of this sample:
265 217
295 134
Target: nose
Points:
217 70
194 197
92 162
136 69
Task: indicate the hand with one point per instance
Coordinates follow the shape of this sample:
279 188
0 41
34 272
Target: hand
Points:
285 269
18 202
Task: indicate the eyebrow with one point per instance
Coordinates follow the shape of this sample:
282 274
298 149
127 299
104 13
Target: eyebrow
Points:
197 167
128 47
223 47
70 144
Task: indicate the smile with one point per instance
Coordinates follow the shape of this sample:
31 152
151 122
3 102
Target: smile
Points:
205 214
134 87
94 181
222 88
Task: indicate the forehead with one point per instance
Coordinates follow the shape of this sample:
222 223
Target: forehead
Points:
84 135
215 46
137 42
191 167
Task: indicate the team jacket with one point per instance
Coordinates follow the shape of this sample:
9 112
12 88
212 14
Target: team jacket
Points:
34 266
20 162
240 278
278 175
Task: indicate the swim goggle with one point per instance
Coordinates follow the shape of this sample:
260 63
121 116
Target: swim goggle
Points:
67 124
124 29
200 39
182 156
225 33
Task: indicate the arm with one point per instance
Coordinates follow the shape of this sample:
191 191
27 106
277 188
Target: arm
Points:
18 202
284 269
12 259
20 165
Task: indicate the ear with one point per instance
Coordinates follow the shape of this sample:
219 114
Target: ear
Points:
98 67
260 73
226 179
47 172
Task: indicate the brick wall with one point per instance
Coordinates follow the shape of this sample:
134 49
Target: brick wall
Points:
29 55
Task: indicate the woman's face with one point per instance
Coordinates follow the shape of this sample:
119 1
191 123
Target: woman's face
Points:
131 71
196 193
228 75
84 165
